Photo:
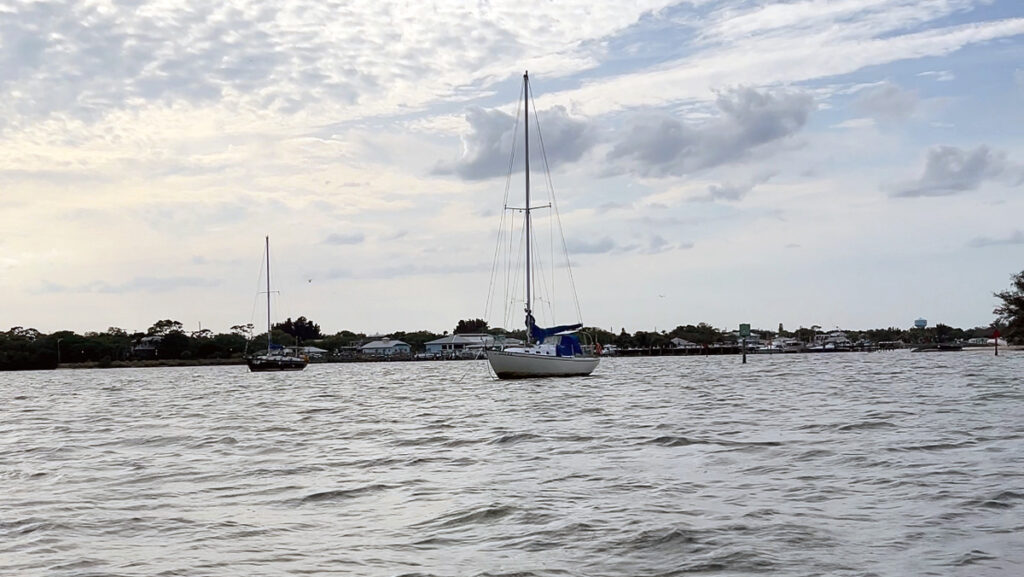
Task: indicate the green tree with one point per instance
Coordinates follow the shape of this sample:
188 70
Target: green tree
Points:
416 339
943 333
301 328
173 345
471 326
164 327
1011 313
22 349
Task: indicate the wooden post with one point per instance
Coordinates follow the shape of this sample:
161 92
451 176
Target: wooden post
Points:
744 345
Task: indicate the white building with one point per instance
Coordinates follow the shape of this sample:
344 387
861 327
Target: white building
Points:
678 343
455 345
385 348
311 352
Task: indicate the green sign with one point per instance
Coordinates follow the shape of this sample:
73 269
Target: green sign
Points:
744 330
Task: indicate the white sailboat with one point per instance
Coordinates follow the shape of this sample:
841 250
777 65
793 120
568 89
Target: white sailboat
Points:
548 352
276 357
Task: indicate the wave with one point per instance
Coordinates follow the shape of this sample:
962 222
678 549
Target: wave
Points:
343 494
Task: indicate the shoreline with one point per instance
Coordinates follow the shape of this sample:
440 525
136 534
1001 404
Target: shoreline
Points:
639 354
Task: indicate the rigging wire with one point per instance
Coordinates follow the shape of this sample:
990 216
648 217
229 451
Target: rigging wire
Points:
558 218
513 258
256 300
501 228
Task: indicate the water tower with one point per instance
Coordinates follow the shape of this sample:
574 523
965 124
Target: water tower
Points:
920 323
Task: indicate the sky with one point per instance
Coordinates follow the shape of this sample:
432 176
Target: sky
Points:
845 163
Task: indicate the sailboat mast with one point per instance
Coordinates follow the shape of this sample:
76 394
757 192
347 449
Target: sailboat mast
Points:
526 140
268 293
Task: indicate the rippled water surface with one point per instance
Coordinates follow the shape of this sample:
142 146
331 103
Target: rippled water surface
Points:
847 464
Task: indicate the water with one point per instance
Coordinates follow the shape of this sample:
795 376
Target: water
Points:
847 464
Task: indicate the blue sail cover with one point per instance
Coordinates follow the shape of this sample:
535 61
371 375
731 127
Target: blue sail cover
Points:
568 346
538 334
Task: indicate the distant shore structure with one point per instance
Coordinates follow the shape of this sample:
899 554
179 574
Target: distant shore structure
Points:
920 323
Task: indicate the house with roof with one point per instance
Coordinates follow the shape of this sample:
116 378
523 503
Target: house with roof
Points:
147 347
313 353
678 343
458 344
385 348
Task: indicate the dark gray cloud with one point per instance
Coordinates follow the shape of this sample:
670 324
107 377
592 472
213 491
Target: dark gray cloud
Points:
886 102
666 146
950 170
345 238
488 145
1016 237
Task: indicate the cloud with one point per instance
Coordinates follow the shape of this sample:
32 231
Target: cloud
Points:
343 239
950 170
83 59
487 146
665 146
1016 237
184 218
610 206
403 270
657 244
886 102
135 285
939 75
855 123
598 246
733 192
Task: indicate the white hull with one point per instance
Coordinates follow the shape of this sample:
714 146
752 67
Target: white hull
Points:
522 365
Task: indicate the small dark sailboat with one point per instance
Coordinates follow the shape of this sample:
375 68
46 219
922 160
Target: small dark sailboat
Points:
276 357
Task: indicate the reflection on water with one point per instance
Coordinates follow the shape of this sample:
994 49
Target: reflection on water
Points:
849 464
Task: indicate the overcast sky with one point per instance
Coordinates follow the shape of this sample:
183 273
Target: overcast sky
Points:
851 163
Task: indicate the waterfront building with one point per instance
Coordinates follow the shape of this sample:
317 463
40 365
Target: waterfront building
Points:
385 348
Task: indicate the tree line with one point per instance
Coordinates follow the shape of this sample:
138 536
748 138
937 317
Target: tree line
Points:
27 348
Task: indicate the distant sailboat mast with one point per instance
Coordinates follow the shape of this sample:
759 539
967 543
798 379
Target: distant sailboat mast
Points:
269 342
526 136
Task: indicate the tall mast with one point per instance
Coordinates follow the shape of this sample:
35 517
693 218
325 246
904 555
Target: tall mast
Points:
268 294
526 140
